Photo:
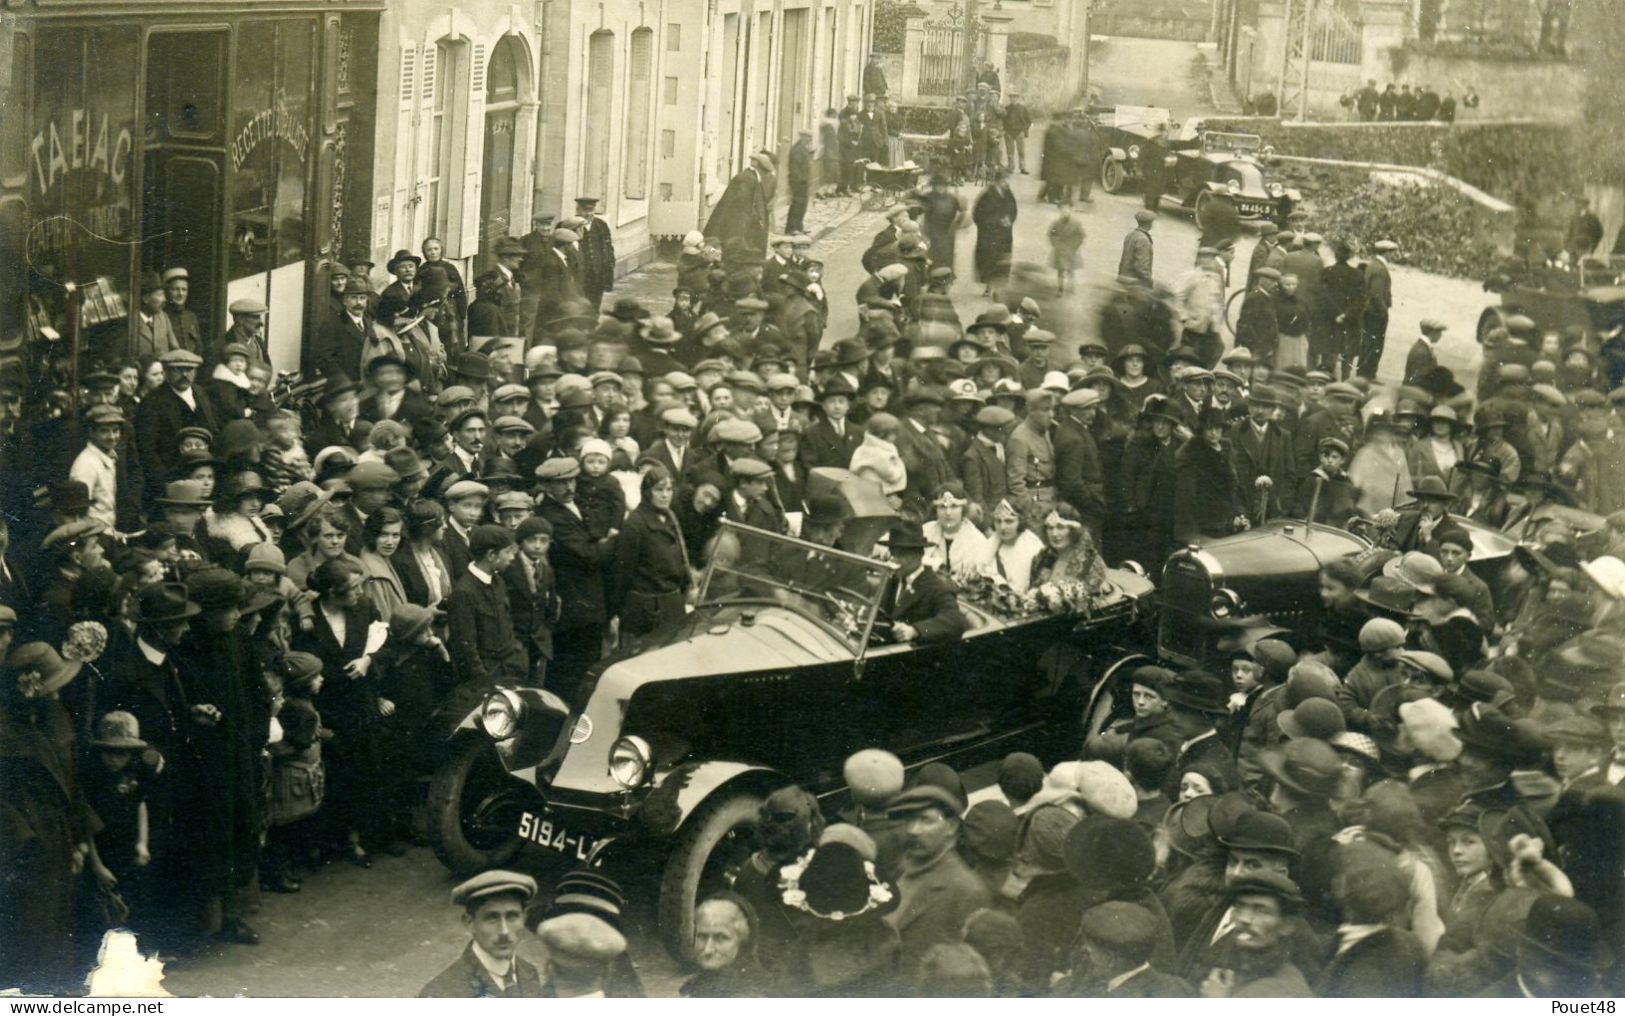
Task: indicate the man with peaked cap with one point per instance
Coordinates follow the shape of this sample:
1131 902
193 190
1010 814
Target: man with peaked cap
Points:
597 252
493 904
937 889
581 562
183 322
247 329
1253 959
1115 942
165 410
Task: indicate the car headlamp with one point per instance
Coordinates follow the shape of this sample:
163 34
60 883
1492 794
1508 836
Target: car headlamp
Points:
629 761
1233 186
500 714
1274 189
1133 566
1134 151
1225 603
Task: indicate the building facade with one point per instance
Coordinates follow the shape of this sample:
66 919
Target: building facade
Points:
232 139
495 113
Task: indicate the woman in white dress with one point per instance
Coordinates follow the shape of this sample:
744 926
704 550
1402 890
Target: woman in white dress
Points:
1012 549
957 548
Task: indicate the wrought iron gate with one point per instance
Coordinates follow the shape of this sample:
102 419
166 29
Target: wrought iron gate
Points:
943 69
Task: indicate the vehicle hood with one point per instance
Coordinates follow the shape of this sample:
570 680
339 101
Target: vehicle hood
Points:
713 641
727 639
1271 568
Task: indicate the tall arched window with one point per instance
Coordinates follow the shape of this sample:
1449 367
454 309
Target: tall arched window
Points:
445 84
639 79
502 96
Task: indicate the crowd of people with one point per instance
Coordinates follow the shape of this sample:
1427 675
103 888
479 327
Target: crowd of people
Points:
230 611
1404 102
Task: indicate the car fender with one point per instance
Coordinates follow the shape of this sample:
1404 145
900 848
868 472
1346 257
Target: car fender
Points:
684 790
1121 155
1215 187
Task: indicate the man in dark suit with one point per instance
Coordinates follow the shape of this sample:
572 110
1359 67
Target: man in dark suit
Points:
182 322
1079 479
673 449
1135 262
338 342
1379 299
832 438
1421 361
404 266
390 399
554 281
1260 447
493 905
175 404
481 633
917 445
1116 940
924 607
1371 957
580 561
597 253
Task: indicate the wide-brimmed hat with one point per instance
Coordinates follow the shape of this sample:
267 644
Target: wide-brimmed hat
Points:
38 669
119 730
1565 931
1306 765
906 536
164 603
1390 596
1431 488
1491 733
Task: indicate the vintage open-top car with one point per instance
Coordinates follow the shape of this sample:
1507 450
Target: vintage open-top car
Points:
1220 595
1589 296
1217 175
783 669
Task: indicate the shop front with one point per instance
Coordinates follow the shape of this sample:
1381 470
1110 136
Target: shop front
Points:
233 143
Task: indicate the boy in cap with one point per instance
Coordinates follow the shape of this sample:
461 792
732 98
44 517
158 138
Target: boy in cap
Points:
493 906
479 623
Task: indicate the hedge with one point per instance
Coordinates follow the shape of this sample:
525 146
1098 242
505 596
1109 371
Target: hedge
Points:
1437 228
1523 164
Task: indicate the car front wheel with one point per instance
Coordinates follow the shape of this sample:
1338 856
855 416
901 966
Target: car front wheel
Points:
474 808
1112 175
710 845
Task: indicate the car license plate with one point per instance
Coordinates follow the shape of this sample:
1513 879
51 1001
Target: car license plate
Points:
1254 208
550 835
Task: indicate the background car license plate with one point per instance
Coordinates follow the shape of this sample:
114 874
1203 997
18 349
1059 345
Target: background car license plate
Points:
551 835
1253 208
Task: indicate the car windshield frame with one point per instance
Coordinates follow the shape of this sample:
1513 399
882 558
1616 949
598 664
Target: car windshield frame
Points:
851 619
1231 143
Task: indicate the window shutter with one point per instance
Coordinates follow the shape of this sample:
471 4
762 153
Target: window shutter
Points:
409 77
474 156
427 74
476 84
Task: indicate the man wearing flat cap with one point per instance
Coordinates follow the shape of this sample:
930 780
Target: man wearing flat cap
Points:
597 253
937 890
494 913
164 411
1422 360
1252 958
1135 262
247 329
581 561
183 322
1115 942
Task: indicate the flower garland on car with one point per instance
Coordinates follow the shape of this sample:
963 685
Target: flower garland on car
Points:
792 895
1064 596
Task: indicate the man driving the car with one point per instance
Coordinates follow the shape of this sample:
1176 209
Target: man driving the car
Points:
923 605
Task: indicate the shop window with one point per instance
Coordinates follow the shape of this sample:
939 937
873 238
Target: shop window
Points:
271 146
636 174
